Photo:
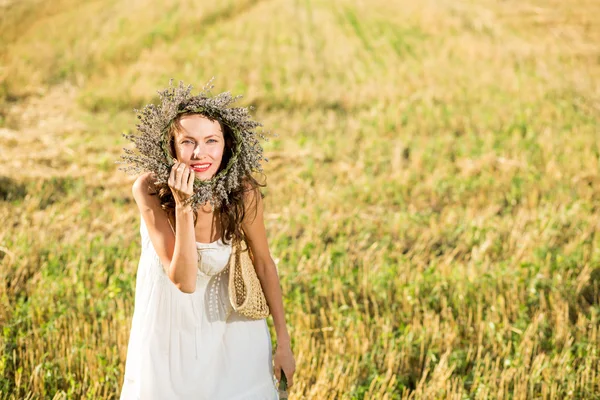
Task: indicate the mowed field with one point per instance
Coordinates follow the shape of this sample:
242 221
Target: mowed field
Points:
433 198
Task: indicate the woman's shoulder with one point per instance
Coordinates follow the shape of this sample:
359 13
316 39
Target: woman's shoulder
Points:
144 185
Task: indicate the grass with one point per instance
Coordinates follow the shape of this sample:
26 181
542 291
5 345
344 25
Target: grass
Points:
432 200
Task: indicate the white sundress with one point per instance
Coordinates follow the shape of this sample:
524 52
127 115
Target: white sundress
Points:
193 346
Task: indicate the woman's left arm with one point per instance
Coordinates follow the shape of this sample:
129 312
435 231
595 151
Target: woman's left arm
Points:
254 228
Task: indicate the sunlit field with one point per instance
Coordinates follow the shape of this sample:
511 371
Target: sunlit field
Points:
432 199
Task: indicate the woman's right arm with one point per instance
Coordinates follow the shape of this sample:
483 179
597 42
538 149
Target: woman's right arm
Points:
177 252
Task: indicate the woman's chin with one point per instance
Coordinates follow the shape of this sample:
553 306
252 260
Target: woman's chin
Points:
203 176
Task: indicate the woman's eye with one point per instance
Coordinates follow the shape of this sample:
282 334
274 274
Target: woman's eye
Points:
212 140
187 141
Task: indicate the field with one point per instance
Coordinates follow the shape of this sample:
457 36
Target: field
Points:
433 198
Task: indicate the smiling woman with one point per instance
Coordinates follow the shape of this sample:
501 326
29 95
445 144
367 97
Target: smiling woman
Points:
159 126
187 341
200 142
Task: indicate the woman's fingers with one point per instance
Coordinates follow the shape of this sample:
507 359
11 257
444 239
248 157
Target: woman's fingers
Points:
290 378
173 176
190 182
181 177
181 181
278 372
185 180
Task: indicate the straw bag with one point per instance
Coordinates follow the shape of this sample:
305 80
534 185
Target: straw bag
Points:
245 292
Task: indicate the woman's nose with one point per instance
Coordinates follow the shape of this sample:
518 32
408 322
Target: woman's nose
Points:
199 150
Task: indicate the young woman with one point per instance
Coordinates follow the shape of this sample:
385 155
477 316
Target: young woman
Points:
186 341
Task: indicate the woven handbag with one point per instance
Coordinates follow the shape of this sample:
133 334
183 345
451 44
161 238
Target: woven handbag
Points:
245 292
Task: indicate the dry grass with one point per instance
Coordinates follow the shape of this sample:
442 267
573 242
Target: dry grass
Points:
433 198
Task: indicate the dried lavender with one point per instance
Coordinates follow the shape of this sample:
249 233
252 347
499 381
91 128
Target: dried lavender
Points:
151 141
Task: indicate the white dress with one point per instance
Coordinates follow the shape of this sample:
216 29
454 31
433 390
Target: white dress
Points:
193 346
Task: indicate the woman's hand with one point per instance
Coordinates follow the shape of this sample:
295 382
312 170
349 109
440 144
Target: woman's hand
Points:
284 359
181 182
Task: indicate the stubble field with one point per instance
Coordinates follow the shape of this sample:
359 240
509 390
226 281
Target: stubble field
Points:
433 196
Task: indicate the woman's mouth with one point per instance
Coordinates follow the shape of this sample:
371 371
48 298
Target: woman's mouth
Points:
200 167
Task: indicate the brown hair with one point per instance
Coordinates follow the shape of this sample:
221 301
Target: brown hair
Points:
231 215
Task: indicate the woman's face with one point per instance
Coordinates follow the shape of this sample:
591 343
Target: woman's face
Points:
199 144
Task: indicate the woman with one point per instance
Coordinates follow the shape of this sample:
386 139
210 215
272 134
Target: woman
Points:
186 341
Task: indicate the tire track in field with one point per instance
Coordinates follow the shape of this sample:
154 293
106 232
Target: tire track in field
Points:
222 15
352 23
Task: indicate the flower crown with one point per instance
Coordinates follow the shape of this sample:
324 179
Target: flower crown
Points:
153 146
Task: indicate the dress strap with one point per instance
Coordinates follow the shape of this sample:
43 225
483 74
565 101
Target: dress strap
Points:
169 221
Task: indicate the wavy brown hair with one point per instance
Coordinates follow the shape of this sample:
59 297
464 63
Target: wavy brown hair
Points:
230 215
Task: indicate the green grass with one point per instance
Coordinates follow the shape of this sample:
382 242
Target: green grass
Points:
432 195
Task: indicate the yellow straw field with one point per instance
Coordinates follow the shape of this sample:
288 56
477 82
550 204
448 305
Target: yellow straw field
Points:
432 199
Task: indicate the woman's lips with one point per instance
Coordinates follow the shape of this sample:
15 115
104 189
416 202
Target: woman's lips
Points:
197 169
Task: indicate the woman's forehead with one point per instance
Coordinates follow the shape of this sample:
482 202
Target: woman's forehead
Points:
199 125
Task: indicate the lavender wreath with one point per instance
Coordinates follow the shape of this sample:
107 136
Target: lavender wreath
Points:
151 143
